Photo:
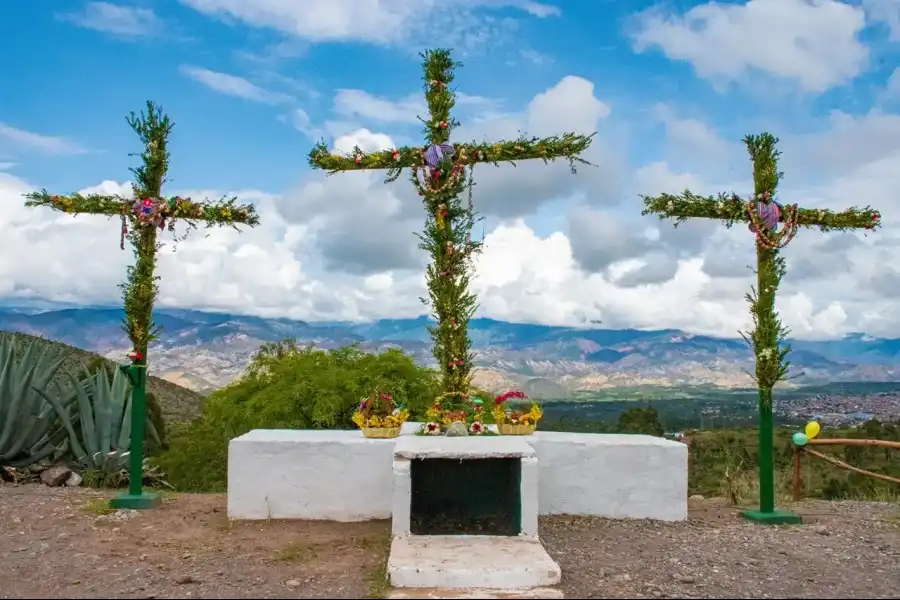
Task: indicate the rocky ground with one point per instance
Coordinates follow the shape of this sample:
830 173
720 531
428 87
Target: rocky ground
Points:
64 543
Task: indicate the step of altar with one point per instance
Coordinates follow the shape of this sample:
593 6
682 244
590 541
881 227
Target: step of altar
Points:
544 593
510 563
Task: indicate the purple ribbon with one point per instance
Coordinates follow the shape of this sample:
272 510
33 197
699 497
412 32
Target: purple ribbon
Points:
435 153
769 214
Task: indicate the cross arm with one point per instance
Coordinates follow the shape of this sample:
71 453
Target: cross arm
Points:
731 209
224 212
568 146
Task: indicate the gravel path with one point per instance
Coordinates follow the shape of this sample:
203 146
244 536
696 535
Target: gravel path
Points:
63 543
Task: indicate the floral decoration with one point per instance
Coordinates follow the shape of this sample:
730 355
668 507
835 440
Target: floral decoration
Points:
504 413
379 410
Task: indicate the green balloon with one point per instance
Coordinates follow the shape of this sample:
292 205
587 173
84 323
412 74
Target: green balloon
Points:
800 439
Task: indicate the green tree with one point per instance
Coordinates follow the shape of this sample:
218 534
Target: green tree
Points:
289 387
640 419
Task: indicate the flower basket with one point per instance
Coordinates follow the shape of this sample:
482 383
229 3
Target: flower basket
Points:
517 429
512 420
380 433
379 417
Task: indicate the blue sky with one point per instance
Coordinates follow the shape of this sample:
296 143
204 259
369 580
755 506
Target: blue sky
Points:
670 88
65 77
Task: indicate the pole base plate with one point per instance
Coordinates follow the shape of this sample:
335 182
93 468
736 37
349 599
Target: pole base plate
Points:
776 517
143 501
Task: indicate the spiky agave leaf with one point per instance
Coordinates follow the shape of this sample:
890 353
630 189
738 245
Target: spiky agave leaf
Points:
27 419
103 407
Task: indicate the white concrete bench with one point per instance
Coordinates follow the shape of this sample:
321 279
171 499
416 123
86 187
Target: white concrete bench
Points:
342 476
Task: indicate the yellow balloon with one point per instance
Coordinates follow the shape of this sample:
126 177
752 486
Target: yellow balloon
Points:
812 429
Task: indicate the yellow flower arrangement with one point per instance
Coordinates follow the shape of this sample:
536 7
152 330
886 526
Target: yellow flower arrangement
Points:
379 413
515 421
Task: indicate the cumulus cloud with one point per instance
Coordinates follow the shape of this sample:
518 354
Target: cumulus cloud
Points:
232 85
364 226
129 22
16 140
461 24
814 43
342 248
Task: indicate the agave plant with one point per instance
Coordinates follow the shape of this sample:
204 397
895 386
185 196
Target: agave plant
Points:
30 430
100 428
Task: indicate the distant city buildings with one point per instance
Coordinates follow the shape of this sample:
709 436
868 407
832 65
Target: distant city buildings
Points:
842 410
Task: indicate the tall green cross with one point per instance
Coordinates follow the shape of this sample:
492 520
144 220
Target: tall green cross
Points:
764 216
438 173
141 217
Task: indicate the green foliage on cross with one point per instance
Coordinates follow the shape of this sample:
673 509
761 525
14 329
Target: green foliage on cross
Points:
143 214
141 217
438 172
764 215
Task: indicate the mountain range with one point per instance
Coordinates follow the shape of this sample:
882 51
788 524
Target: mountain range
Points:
204 351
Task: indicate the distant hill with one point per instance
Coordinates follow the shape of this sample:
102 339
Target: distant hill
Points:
204 351
176 402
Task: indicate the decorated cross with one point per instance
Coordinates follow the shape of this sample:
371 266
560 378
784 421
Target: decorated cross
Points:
438 174
773 226
142 216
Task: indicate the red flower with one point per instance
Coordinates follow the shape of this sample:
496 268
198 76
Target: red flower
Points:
444 125
147 202
507 395
135 355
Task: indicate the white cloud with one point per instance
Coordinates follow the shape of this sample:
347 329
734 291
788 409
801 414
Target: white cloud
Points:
812 42
232 85
534 57
887 12
461 24
360 104
891 92
19 139
125 21
342 247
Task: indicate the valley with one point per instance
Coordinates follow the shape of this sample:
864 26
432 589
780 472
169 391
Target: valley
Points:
204 351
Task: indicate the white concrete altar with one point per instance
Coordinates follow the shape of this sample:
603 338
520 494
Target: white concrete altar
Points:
342 476
506 562
414 447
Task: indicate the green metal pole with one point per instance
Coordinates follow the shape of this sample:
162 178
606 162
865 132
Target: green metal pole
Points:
136 498
766 458
766 452
138 419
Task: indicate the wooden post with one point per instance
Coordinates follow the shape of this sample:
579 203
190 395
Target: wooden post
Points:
798 457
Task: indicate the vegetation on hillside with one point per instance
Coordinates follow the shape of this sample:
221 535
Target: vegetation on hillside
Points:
175 403
51 413
288 387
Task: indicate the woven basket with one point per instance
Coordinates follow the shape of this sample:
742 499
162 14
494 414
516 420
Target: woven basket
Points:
518 429
381 432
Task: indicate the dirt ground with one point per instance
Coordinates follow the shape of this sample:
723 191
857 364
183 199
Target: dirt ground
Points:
64 543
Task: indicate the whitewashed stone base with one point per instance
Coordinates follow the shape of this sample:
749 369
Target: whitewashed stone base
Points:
471 561
341 476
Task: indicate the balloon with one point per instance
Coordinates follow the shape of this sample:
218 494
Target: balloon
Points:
800 438
812 430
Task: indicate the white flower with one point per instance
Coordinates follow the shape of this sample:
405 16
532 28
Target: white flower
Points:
670 206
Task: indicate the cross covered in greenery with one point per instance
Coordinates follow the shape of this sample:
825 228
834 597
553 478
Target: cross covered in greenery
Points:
141 217
764 216
438 172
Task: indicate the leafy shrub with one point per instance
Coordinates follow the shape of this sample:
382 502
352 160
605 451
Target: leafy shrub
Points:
288 387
